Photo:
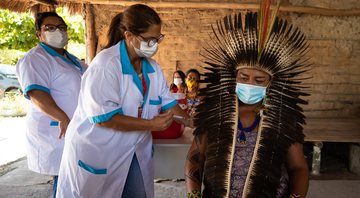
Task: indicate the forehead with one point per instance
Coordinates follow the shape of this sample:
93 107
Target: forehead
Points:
52 20
192 75
153 31
176 74
252 72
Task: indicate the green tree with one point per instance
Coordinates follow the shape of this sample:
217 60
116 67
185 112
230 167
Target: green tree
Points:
75 26
17 31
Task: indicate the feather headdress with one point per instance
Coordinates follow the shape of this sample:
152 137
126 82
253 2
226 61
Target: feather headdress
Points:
272 46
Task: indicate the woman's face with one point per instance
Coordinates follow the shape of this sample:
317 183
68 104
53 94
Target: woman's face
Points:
50 23
192 81
177 75
177 79
253 77
192 76
151 36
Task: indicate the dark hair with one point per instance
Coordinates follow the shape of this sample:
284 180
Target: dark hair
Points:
182 76
40 17
193 71
136 19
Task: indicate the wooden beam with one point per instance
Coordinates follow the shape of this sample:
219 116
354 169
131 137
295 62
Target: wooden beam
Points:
91 39
321 11
233 6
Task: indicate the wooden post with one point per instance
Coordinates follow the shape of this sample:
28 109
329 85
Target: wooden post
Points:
354 161
91 39
34 10
316 160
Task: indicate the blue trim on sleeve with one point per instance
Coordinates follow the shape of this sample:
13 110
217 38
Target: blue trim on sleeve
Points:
54 123
92 170
169 105
105 117
35 86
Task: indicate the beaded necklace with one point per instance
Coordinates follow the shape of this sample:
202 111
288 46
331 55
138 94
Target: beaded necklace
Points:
242 137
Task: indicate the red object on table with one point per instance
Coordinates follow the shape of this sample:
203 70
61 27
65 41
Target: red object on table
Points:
174 131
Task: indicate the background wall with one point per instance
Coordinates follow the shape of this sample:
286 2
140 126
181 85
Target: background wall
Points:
334 43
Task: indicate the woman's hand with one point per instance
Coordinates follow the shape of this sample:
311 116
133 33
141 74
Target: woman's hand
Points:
44 101
162 121
63 124
188 122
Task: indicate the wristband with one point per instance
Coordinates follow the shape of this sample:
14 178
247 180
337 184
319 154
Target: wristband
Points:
194 194
294 195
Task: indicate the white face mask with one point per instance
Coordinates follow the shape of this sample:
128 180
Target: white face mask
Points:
57 39
145 50
177 81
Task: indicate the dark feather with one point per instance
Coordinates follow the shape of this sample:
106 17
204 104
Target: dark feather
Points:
235 46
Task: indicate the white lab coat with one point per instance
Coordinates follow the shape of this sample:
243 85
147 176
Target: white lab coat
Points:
44 69
96 160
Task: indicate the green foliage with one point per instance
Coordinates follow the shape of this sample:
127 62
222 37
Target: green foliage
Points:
75 26
10 56
13 104
77 49
17 31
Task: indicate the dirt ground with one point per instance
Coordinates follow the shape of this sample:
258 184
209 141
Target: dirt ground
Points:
16 181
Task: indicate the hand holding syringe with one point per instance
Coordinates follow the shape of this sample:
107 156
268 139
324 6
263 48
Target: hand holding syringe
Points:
186 121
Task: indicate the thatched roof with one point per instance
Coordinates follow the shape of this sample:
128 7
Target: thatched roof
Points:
40 5
77 6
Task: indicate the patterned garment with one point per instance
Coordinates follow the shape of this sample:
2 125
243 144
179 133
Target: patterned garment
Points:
242 159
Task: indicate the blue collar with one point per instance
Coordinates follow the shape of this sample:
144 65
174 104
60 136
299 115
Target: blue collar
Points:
73 61
128 69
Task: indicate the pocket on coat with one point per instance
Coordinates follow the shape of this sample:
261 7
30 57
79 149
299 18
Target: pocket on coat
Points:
154 107
90 169
156 101
90 180
54 123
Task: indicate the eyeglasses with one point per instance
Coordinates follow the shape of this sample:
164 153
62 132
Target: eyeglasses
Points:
152 40
52 28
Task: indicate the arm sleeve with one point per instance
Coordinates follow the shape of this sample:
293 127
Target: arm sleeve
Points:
34 73
101 95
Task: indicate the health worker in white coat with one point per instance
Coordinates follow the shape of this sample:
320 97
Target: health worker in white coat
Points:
108 146
50 78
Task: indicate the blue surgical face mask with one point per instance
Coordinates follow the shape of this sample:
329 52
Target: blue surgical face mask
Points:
250 94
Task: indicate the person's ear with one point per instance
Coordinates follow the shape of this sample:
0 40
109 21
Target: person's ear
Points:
128 35
38 34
